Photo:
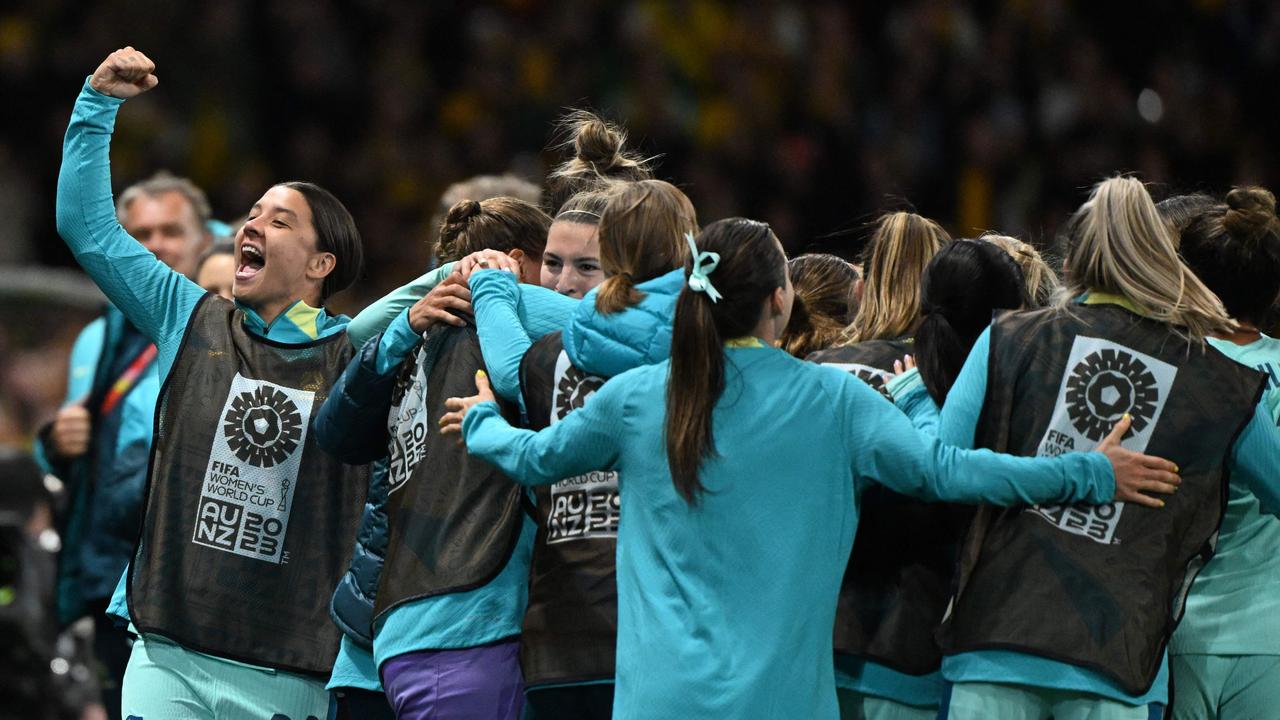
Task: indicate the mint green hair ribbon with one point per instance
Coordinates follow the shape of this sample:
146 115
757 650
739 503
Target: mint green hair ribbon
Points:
703 265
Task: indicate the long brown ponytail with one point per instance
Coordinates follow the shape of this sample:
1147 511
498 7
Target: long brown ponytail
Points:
751 267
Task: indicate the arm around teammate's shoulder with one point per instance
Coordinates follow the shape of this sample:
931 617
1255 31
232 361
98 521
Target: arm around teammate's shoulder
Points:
378 315
885 447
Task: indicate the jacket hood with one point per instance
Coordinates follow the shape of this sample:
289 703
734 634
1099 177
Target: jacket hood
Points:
609 345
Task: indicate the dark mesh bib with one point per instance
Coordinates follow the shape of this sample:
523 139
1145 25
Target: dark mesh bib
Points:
1101 586
571 627
248 525
453 520
900 572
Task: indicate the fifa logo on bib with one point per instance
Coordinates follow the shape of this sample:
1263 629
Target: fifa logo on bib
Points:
246 493
873 376
407 423
585 506
263 426
572 389
1102 381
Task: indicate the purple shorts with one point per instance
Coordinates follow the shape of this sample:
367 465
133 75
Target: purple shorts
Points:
482 683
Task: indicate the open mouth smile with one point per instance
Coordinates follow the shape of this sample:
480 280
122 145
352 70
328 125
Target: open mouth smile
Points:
251 262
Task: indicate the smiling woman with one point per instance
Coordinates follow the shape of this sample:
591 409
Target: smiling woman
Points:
314 240
242 381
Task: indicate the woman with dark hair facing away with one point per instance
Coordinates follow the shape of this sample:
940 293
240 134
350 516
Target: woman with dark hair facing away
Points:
355 688
1225 655
826 302
450 596
899 578
736 531
567 647
227 595
1066 610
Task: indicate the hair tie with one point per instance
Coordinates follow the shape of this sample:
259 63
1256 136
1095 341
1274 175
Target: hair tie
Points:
704 263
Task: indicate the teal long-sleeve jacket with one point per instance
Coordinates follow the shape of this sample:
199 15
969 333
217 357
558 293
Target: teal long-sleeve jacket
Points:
510 316
156 299
726 607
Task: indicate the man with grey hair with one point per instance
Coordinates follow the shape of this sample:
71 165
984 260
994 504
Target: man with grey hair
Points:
170 216
100 442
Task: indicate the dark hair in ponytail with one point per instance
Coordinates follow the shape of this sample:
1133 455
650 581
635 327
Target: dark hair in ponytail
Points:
1235 250
752 266
962 285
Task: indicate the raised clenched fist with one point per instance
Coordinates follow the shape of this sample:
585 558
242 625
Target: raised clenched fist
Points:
70 433
124 74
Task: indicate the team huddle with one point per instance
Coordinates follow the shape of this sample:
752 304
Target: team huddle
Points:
606 461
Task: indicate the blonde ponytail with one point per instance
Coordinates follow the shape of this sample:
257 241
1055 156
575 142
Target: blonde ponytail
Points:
1118 243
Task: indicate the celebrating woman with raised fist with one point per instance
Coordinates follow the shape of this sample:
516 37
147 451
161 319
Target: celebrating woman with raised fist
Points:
247 525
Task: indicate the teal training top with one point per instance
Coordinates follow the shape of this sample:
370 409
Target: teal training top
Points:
1255 456
725 608
1234 604
509 317
156 299
461 620
381 312
354 668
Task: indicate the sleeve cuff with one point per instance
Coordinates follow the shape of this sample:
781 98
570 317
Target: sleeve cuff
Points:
900 385
87 92
1104 478
475 417
488 281
397 341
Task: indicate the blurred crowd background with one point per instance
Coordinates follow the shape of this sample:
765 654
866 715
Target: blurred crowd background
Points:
813 116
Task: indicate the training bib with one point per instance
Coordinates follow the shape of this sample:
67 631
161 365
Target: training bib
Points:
452 520
571 625
248 525
1101 586
896 586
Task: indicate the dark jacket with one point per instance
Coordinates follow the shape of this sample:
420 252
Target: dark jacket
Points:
352 425
105 485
